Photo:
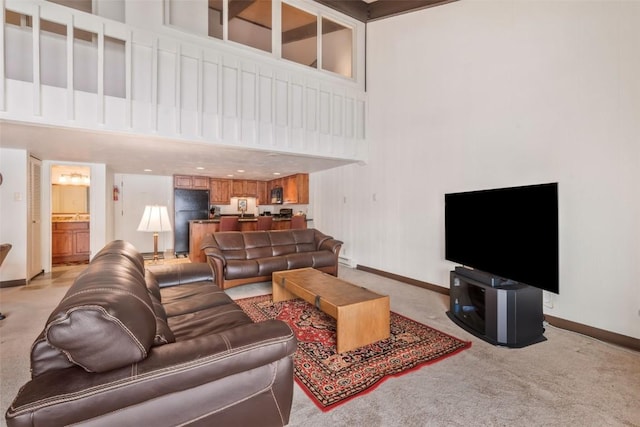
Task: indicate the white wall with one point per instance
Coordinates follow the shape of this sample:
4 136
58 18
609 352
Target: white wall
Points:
137 191
482 94
13 219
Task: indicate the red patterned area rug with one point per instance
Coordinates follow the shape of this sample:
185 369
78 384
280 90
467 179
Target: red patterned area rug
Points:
331 378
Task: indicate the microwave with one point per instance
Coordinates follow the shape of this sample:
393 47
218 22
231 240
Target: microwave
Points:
276 195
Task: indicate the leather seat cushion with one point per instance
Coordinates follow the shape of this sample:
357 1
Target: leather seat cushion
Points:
241 268
208 321
300 260
268 265
192 297
310 259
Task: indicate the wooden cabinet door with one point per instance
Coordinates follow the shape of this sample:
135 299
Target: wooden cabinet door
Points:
82 241
296 188
237 188
251 188
182 181
275 183
303 188
219 191
290 189
263 193
200 182
61 244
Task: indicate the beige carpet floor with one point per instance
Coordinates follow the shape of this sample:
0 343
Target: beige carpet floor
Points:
568 380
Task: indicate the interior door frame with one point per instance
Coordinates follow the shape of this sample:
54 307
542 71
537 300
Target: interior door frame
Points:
34 219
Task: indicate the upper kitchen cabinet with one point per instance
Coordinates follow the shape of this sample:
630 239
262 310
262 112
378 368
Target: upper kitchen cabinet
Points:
191 182
244 188
296 188
263 193
275 183
219 191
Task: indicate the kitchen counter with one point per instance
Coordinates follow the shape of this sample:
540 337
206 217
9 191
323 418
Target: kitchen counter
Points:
70 218
201 227
245 219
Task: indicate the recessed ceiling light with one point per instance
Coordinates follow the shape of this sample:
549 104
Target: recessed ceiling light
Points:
148 170
230 175
240 170
276 173
200 168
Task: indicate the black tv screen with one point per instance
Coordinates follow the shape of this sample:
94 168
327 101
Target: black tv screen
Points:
511 233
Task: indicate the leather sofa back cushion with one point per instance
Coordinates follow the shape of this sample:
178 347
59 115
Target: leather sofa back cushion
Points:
106 320
263 244
125 249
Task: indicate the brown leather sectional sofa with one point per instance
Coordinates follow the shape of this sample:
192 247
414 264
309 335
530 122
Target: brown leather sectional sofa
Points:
127 346
239 257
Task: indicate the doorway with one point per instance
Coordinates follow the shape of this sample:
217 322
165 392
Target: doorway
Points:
70 215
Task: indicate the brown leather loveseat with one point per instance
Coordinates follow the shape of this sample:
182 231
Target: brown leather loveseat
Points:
239 257
127 346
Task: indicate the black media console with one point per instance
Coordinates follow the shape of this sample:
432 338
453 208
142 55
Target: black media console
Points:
499 311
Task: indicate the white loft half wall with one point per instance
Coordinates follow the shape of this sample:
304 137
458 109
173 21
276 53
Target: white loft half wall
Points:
173 85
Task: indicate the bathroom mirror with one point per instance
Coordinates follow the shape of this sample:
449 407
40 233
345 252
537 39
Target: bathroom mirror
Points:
69 199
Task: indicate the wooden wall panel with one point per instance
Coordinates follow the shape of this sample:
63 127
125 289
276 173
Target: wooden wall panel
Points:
189 83
349 117
311 109
297 106
210 95
248 105
229 103
282 100
325 112
166 78
337 115
265 109
229 92
360 120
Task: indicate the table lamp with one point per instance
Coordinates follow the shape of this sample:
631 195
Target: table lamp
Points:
155 219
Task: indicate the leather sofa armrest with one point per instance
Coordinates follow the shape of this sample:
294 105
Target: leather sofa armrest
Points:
332 245
72 395
217 262
178 274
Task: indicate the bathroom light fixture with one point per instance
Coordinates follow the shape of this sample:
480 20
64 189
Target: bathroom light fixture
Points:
74 179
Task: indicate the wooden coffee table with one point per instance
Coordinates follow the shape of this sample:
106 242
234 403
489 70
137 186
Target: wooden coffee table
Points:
362 316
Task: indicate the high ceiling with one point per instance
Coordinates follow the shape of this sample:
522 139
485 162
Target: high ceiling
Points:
371 10
139 154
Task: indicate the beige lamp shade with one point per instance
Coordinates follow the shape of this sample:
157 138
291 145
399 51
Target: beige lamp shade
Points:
155 219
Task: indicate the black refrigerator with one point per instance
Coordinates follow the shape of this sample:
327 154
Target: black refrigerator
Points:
188 205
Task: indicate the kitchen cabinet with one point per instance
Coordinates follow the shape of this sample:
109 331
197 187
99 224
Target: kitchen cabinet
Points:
296 188
263 193
191 182
244 188
70 242
219 191
275 183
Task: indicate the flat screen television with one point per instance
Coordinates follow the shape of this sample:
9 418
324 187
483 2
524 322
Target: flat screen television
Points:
511 233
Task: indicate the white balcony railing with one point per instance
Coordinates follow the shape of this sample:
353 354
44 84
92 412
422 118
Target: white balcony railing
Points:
130 80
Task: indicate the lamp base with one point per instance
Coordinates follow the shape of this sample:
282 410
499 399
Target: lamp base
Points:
155 248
